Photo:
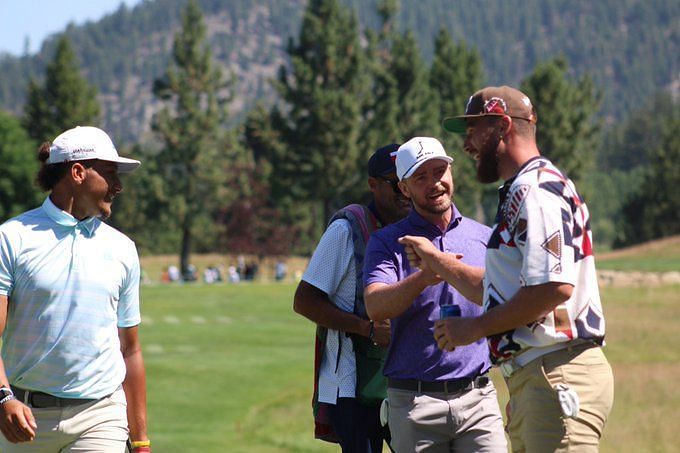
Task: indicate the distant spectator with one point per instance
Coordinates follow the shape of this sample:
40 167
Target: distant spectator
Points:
279 271
241 266
191 274
212 274
173 273
234 276
251 271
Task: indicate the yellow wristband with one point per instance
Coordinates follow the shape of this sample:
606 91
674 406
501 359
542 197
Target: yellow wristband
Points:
141 443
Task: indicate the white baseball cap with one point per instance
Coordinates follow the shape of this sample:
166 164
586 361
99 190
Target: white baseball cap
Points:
88 142
416 152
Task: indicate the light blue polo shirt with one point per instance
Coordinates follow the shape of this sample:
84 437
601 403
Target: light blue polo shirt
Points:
70 285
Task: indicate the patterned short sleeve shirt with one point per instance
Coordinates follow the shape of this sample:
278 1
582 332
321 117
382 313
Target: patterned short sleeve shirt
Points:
542 234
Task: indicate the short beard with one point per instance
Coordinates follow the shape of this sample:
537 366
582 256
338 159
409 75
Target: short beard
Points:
487 167
439 209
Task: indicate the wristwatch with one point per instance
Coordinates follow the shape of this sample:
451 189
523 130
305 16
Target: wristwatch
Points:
5 392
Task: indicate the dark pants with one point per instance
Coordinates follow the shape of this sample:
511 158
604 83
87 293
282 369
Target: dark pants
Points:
358 426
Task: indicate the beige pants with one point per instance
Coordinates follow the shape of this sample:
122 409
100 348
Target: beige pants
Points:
100 427
436 422
536 423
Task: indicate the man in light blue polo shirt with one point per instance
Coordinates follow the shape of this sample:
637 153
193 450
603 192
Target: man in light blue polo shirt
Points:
72 374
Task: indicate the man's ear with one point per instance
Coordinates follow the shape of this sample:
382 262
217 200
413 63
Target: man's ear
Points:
372 183
505 125
78 172
404 189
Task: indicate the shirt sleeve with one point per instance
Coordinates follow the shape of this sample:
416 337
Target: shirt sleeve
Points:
540 235
379 264
332 258
128 303
6 265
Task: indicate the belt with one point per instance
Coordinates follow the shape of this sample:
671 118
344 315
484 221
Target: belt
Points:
42 400
451 386
515 363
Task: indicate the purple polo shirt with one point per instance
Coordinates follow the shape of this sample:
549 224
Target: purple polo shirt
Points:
413 352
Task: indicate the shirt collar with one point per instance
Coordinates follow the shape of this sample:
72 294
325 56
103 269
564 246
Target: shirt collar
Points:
521 170
417 220
63 218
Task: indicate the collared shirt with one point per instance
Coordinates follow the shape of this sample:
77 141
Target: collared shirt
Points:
332 270
70 285
413 352
542 234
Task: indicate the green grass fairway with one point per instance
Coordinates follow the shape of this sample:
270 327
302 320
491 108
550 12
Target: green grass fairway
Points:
230 369
661 255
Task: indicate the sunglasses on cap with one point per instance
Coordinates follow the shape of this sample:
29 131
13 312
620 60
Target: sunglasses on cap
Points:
392 182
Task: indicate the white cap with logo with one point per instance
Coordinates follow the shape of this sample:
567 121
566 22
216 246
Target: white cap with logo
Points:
88 142
416 152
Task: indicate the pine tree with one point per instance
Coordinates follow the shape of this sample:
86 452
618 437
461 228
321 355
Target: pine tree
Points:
193 161
567 131
18 157
652 212
418 107
321 119
65 100
455 74
381 103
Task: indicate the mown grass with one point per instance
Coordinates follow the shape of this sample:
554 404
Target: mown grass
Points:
230 369
649 264
662 255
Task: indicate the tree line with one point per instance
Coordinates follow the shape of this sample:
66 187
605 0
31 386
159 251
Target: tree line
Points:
268 185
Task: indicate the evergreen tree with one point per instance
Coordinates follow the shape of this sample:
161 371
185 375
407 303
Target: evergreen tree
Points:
65 100
567 130
322 96
653 211
418 107
18 156
381 106
455 74
627 146
193 162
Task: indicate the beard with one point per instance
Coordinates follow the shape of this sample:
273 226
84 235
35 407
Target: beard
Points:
487 166
439 208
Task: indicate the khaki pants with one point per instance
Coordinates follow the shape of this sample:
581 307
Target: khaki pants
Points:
536 423
100 426
438 422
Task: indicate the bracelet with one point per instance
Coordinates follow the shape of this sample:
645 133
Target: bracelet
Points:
371 331
7 398
141 443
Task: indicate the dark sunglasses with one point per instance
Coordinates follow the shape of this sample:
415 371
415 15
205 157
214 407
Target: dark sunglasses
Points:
392 182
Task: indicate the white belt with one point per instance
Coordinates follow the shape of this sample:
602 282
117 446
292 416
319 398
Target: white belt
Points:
514 363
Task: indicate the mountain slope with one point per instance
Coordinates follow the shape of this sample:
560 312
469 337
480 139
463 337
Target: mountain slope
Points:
629 47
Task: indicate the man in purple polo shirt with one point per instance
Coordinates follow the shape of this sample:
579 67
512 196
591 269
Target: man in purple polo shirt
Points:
438 400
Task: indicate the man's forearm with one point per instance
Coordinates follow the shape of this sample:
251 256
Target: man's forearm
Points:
134 386
314 304
467 279
528 305
385 301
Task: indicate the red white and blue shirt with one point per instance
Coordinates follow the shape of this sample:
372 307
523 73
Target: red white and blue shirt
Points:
542 234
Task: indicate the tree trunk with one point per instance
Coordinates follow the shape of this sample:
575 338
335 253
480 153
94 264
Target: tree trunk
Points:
184 260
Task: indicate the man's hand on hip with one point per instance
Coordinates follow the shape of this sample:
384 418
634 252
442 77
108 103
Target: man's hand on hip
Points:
17 422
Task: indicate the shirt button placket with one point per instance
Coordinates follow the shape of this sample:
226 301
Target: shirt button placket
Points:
74 248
